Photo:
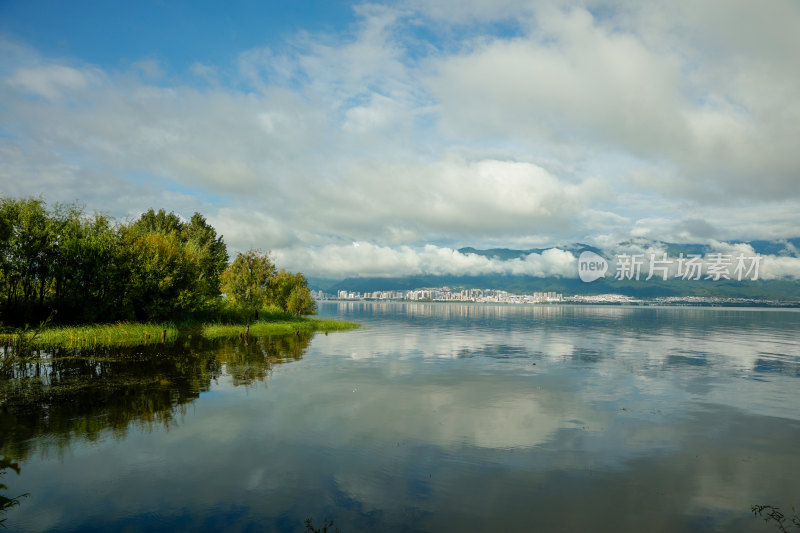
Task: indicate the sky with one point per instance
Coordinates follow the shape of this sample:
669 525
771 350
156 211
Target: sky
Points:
378 138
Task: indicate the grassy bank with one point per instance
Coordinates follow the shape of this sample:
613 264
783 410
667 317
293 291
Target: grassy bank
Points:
120 334
133 334
277 327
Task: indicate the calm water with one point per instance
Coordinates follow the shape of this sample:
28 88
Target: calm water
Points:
433 417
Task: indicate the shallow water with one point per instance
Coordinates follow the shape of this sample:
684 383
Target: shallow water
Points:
432 417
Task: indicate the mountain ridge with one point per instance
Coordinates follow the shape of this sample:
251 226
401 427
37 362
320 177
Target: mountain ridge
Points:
775 289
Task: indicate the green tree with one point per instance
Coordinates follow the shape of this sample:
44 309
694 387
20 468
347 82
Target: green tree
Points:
26 249
171 267
300 302
87 283
8 221
91 268
247 282
212 254
290 293
161 275
157 222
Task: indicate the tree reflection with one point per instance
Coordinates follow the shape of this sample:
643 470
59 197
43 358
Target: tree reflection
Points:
50 398
5 502
69 393
252 361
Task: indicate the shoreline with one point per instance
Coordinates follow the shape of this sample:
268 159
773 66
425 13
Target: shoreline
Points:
739 303
125 334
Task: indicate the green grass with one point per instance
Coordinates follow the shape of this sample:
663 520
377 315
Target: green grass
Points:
120 334
283 326
134 334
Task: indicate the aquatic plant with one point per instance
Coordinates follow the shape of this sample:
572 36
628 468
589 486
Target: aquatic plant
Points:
772 513
5 502
325 525
284 326
119 334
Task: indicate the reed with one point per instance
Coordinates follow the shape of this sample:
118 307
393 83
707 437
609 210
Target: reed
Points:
281 326
135 334
119 334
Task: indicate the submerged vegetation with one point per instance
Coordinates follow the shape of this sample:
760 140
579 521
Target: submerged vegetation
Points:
771 513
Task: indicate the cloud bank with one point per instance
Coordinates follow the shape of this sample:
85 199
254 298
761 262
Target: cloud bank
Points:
371 260
426 126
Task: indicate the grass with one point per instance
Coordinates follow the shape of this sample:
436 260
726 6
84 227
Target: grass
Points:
284 326
134 334
120 334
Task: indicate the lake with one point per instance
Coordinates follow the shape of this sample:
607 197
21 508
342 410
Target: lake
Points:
432 417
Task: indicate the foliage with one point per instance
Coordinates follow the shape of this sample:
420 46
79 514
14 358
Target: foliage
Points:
252 281
290 293
157 267
247 281
21 342
90 268
771 513
300 301
171 267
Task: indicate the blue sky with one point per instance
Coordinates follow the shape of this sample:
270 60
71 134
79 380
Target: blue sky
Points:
375 138
115 34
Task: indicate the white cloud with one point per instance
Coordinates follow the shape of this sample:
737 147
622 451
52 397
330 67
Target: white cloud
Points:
581 123
49 81
369 259
150 67
777 267
662 86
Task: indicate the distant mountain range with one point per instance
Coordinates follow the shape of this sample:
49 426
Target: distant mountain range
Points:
776 289
787 247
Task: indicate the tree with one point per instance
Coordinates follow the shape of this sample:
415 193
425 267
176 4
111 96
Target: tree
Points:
161 275
86 283
160 222
300 302
246 283
158 267
290 293
212 254
26 248
172 267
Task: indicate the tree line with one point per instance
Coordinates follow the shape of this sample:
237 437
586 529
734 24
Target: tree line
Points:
85 268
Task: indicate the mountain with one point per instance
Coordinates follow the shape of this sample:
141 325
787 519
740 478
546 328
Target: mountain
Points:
778 289
761 289
507 254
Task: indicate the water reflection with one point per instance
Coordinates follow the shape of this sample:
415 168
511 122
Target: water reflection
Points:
430 418
53 398
649 339
69 393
